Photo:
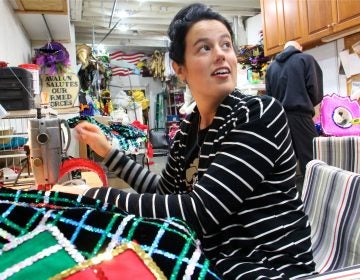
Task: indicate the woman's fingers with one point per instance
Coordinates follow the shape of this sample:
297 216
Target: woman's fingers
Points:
86 131
88 126
93 136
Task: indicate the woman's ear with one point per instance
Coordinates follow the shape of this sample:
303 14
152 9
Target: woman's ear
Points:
179 71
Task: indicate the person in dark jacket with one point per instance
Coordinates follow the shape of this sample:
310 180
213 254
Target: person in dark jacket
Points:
295 79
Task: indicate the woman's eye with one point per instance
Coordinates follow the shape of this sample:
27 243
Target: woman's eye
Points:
227 45
204 48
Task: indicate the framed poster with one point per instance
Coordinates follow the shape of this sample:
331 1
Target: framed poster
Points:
60 91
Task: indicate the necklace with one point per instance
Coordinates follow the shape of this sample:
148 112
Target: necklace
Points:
198 136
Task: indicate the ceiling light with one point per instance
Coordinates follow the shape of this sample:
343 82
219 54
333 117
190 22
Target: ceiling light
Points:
123 14
100 49
123 27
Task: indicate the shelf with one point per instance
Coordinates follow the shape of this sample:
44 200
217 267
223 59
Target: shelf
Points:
44 111
176 91
175 99
13 135
13 155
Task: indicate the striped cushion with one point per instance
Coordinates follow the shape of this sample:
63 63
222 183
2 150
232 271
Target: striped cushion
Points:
342 152
348 273
332 201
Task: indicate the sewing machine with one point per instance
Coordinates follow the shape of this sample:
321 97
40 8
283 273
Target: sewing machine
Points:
47 149
48 153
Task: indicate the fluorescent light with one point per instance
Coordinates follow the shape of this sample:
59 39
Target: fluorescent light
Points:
100 49
123 27
123 14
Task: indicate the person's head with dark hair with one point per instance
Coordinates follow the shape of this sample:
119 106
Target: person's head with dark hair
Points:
181 24
203 55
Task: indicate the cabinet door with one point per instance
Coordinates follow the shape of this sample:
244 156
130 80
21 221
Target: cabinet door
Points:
347 14
319 18
282 22
273 26
292 15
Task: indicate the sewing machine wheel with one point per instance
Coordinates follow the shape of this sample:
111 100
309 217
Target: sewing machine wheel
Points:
82 164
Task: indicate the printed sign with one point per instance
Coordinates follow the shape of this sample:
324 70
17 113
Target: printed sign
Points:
60 91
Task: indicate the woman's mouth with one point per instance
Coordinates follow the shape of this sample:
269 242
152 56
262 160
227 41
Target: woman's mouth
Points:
221 71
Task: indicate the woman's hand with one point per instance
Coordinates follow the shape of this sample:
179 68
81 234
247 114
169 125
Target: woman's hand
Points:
92 135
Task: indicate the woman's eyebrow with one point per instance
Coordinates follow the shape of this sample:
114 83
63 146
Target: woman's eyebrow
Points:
205 39
200 40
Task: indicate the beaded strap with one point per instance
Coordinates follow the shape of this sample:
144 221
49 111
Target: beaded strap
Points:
129 137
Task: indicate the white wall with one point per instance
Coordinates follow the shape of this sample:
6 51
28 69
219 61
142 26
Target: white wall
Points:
253 27
328 58
15 47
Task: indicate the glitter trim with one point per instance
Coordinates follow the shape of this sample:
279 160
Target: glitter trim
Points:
29 261
148 261
70 248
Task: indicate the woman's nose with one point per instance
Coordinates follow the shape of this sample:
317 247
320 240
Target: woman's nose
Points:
219 54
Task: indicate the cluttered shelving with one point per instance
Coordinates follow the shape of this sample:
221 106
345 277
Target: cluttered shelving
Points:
14 164
175 91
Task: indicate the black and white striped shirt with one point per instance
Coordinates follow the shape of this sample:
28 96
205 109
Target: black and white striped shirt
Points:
244 207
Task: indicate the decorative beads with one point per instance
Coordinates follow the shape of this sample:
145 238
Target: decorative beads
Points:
43 252
119 232
95 261
106 227
126 135
29 261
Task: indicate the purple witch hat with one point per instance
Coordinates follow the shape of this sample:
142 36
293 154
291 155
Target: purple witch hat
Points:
53 58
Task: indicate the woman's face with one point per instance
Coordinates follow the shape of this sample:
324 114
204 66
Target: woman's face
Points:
210 60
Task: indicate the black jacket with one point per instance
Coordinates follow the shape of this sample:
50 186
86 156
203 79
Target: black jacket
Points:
295 79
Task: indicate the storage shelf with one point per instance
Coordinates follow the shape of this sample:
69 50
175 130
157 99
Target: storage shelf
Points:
20 155
176 91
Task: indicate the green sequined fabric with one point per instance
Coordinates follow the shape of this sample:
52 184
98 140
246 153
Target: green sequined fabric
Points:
129 137
91 227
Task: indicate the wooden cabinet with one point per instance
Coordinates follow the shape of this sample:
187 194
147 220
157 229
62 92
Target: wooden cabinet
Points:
326 17
306 21
318 19
347 14
272 28
282 22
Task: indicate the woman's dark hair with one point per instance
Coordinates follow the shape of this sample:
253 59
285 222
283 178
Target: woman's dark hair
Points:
181 24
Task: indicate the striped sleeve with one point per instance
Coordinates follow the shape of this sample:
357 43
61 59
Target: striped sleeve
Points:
139 178
258 141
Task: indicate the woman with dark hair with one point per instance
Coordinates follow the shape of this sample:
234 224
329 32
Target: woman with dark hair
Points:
231 170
